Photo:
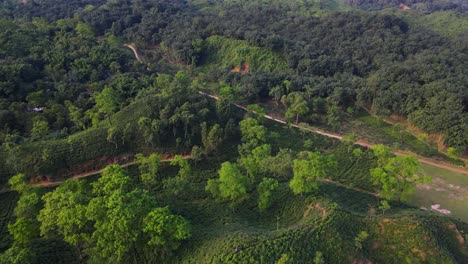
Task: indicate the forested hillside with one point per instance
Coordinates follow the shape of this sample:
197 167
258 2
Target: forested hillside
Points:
421 5
134 131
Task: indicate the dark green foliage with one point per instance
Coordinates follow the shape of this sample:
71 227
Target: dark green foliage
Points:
73 99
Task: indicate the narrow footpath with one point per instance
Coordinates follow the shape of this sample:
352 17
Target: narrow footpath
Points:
95 172
327 134
340 137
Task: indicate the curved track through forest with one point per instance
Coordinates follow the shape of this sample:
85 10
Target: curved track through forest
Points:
327 134
340 137
96 172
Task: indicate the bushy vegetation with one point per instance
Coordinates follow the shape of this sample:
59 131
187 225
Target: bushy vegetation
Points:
228 53
188 177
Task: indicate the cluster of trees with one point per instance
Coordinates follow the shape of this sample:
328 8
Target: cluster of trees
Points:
114 219
395 176
166 113
421 5
375 61
54 73
257 169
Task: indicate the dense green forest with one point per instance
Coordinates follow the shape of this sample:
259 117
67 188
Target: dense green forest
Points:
117 90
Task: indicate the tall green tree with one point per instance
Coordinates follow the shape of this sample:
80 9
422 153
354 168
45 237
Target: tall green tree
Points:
117 211
40 129
308 169
396 176
266 192
253 135
180 182
231 184
64 213
255 164
211 138
165 229
296 106
149 168
108 101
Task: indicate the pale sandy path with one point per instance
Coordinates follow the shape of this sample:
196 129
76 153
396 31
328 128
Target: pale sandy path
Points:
95 172
134 52
340 137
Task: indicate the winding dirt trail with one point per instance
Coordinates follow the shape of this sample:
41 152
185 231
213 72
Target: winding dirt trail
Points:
134 52
328 134
340 137
96 172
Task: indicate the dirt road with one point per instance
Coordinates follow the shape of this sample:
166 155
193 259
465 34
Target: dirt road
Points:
134 52
96 172
340 137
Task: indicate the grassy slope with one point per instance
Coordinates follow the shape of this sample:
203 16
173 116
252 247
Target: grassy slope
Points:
327 221
449 189
445 23
227 53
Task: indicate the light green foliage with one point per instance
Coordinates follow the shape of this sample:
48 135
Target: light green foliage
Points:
360 239
319 259
211 138
296 106
114 178
255 164
18 183
349 139
148 167
284 259
384 206
447 23
108 101
308 169
257 111
397 176
17 255
84 30
423 137
27 205
76 115
23 230
185 170
253 135
197 153
117 212
227 52
452 152
64 212
108 222
357 152
40 129
25 227
180 182
266 191
231 185
165 229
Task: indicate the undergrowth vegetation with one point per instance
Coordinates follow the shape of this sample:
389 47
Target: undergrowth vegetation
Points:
229 53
